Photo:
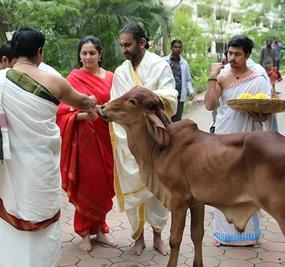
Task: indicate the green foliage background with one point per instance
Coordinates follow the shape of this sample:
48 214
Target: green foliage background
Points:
65 22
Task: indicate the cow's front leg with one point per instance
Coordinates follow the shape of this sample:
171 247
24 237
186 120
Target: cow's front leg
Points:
178 215
197 233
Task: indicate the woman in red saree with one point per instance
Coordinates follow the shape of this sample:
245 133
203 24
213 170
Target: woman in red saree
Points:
87 159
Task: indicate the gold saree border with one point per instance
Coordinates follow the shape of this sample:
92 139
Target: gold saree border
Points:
25 82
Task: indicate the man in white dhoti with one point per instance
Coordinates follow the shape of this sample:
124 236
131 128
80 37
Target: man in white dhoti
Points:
230 84
145 69
30 153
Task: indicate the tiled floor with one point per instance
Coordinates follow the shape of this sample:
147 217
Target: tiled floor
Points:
269 253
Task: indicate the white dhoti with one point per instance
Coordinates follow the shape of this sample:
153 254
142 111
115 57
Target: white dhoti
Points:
29 249
30 182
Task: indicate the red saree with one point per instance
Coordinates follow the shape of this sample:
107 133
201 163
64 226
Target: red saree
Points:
86 156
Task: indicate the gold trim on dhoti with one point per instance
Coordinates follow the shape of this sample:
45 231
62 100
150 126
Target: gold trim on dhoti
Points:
118 190
141 215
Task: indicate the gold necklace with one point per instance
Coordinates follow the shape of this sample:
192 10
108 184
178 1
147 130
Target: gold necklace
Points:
25 63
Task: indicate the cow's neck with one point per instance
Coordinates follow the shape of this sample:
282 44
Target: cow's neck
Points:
141 143
146 153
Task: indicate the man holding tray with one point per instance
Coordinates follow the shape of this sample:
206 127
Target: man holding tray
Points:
231 84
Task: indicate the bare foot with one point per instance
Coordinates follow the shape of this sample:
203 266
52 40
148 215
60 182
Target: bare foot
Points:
104 241
85 245
138 247
159 245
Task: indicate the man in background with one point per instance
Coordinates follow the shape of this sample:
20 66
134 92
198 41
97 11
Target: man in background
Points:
7 60
7 56
182 76
267 61
277 47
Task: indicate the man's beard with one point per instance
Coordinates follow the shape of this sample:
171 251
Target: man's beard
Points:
129 56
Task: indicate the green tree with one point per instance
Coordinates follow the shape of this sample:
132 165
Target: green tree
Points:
112 15
65 22
195 45
262 20
53 18
4 24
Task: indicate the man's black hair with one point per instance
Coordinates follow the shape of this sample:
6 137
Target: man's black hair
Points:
27 41
137 32
241 41
175 41
6 50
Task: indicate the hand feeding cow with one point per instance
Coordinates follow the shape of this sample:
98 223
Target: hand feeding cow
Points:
187 168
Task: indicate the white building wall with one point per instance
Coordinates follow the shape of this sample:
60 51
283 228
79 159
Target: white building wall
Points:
230 28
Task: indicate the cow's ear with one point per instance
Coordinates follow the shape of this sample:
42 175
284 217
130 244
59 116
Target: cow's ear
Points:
157 130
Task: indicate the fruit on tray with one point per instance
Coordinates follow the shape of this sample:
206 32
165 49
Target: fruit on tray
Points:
256 96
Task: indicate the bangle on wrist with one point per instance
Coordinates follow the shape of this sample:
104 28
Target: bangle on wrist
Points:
212 79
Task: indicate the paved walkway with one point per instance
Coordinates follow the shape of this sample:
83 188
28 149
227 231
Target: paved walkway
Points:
269 253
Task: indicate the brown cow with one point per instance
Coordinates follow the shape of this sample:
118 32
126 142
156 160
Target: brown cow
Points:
187 168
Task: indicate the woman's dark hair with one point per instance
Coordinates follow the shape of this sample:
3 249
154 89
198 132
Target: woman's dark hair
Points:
137 32
95 41
242 41
7 51
27 41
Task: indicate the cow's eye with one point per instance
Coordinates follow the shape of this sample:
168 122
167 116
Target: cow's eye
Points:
152 106
133 102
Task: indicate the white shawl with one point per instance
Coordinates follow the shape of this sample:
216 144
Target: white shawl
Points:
4 146
30 180
230 121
